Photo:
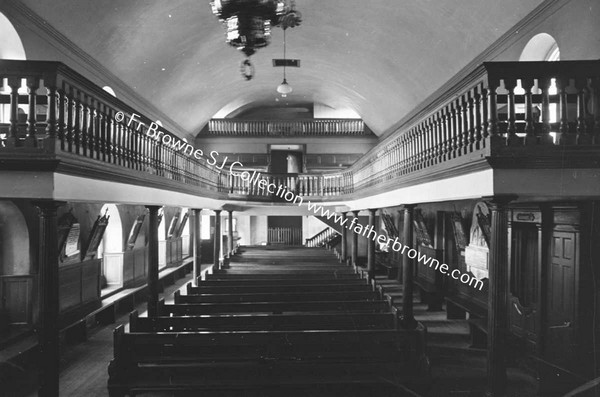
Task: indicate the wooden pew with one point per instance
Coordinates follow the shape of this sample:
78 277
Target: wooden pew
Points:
269 322
281 276
255 360
254 288
282 282
280 297
196 309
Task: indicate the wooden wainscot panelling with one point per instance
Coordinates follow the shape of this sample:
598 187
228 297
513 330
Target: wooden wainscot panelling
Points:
134 266
525 273
16 300
79 284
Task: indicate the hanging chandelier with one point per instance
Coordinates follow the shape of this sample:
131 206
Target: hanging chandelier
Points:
284 88
249 24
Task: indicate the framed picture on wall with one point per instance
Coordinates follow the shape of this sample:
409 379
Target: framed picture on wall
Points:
96 234
459 232
135 231
422 234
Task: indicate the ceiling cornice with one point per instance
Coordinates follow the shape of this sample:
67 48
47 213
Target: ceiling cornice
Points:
20 13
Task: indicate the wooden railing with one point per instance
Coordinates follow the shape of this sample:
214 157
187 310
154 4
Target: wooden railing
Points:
512 110
80 119
284 235
503 114
311 127
304 185
321 238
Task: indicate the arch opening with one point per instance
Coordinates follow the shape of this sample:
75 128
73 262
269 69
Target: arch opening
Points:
110 249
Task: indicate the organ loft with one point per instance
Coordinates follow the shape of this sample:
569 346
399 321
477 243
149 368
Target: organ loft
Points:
299 198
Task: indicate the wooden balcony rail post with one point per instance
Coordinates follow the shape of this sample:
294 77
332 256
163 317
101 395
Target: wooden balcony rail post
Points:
459 125
595 84
85 125
33 84
530 136
566 138
13 130
511 132
492 112
470 121
61 122
51 117
584 136
480 109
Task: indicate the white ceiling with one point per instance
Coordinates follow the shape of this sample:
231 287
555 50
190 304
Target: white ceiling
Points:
379 57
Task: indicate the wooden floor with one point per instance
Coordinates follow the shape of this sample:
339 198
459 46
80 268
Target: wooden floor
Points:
457 370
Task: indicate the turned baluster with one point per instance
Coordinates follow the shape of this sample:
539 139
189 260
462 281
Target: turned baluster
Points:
438 139
544 86
85 125
101 132
33 84
492 112
583 133
463 122
480 115
61 122
470 120
511 128
77 113
454 129
566 138
71 110
51 122
595 84
110 127
530 136
13 130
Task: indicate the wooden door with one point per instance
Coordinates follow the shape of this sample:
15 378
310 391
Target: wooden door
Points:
561 299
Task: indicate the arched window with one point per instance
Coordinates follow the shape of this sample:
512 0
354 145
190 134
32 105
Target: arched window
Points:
110 249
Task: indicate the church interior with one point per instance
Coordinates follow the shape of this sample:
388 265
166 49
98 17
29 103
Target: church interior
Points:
300 198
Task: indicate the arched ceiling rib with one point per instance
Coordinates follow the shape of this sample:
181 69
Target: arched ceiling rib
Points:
379 58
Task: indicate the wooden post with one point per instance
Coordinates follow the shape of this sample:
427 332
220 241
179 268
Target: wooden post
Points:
355 241
230 244
153 261
196 242
497 296
408 319
344 238
217 239
371 244
48 273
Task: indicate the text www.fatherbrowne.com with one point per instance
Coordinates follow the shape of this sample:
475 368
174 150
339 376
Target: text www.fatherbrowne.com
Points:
154 132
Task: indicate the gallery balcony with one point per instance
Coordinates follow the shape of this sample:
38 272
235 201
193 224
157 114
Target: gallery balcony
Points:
282 128
514 124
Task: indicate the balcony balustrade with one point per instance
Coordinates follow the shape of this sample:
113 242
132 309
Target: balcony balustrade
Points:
269 128
503 114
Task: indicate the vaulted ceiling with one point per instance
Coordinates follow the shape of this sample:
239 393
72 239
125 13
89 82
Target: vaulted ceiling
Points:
379 58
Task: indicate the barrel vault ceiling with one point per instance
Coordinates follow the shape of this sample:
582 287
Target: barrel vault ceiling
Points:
379 58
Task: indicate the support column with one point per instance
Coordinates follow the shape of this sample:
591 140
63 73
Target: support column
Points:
344 238
230 246
371 245
48 273
196 242
497 296
408 318
153 261
355 241
217 239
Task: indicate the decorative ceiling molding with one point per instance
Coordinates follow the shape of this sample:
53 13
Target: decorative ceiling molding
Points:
19 12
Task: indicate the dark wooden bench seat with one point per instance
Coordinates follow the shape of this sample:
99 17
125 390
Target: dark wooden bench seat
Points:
253 288
210 361
280 297
281 282
271 322
282 276
195 309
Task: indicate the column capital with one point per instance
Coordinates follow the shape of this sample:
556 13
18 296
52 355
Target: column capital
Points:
217 212
406 207
151 207
230 212
499 201
197 209
48 206
373 210
355 213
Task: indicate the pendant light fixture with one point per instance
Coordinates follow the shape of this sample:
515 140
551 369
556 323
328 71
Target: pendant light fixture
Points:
284 88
